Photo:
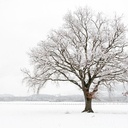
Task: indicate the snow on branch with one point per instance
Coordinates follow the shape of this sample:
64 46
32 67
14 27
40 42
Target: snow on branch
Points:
87 48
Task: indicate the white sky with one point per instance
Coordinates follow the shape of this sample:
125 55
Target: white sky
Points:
23 23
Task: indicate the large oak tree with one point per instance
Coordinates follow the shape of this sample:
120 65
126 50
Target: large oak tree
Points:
89 51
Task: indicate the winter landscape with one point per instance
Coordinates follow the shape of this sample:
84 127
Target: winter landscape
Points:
64 64
62 115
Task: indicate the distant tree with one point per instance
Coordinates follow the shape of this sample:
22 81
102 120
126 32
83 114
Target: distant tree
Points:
89 51
125 93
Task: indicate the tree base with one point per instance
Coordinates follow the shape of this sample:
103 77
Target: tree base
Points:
88 111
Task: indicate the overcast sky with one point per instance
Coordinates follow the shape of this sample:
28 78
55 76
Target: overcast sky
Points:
23 23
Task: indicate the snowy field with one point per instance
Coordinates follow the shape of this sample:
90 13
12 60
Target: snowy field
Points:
62 115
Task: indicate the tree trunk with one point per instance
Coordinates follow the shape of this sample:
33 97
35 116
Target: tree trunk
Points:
88 102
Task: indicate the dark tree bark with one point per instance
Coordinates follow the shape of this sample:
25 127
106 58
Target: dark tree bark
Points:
88 102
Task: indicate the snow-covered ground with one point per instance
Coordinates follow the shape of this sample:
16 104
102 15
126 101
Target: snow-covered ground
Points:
62 115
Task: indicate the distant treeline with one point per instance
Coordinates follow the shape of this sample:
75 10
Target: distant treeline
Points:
60 98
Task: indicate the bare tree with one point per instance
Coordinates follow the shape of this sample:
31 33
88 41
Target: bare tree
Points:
89 51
